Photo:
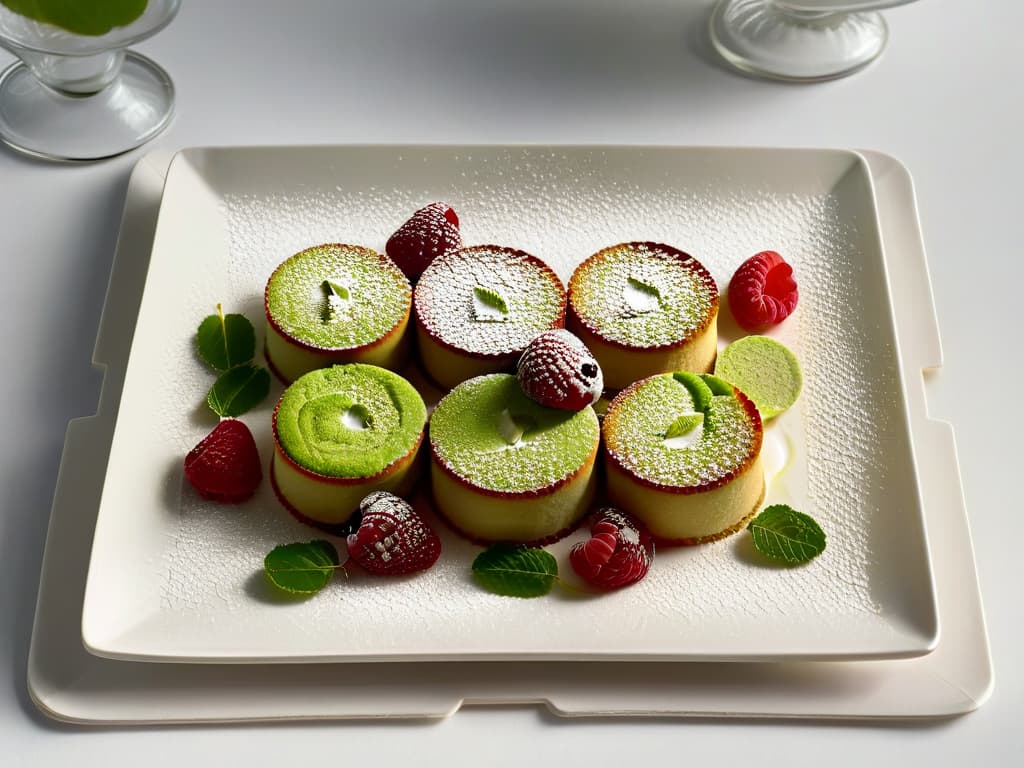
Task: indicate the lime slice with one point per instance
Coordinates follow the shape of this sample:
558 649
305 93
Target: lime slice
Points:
764 370
81 17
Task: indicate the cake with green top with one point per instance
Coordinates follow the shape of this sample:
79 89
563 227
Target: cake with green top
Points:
505 468
683 454
764 370
477 308
334 304
340 433
644 308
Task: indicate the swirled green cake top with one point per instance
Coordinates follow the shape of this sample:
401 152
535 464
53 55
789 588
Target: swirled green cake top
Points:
349 420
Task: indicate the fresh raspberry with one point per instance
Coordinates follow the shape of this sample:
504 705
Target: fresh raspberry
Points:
225 466
617 554
762 292
557 370
392 538
430 231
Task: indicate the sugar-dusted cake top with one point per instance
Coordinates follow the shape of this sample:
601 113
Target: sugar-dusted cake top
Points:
337 296
349 420
487 431
667 433
643 295
488 300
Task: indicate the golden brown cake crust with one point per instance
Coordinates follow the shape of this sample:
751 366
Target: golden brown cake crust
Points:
696 540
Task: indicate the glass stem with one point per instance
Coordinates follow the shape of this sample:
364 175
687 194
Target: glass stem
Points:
75 75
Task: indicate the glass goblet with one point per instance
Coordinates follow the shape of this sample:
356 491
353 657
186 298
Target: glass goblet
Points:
75 96
800 40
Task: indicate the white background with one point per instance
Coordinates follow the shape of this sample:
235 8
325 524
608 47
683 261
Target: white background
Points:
945 99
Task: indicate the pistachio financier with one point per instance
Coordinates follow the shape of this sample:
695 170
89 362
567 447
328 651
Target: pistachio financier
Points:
477 308
506 468
335 304
683 454
341 433
644 308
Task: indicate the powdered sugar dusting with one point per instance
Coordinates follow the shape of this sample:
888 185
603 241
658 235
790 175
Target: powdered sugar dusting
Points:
636 424
448 300
643 295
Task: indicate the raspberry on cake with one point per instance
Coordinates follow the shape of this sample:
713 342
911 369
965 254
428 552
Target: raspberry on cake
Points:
505 468
341 433
683 455
644 308
477 308
558 371
335 304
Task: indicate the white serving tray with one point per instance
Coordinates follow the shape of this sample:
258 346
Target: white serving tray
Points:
71 685
175 578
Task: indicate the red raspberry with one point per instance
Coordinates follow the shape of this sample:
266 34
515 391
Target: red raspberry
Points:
225 466
392 538
617 554
430 231
762 292
557 370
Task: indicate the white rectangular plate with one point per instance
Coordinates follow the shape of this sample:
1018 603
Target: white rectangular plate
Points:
69 684
175 578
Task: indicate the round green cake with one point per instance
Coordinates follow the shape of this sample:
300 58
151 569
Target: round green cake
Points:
505 468
334 304
468 435
683 454
349 420
341 433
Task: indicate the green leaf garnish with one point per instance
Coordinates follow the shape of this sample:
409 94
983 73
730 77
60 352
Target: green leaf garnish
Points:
95 17
224 341
782 533
700 392
336 296
515 571
718 386
684 425
301 569
489 305
238 390
641 297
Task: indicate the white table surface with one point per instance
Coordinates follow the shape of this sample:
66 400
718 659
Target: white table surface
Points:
945 99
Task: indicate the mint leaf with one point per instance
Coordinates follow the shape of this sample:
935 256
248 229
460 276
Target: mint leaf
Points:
684 425
782 533
301 569
489 305
336 297
515 571
700 392
238 390
224 341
